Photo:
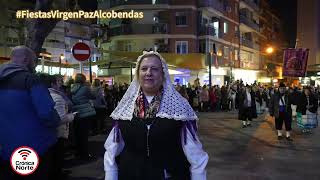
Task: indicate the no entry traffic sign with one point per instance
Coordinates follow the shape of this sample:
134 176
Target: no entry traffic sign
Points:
81 51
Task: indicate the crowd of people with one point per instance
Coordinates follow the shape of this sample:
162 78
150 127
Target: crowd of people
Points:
54 112
281 102
301 102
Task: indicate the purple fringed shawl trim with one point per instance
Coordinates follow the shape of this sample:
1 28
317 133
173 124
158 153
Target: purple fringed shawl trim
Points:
192 127
116 135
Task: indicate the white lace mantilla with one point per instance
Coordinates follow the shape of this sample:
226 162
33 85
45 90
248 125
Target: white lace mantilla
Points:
173 105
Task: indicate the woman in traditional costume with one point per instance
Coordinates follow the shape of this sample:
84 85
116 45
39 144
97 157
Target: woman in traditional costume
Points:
154 136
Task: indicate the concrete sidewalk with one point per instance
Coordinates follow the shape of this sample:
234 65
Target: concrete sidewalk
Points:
236 153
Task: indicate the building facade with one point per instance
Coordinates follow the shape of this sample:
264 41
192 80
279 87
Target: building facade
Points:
308 30
233 34
180 27
271 37
56 47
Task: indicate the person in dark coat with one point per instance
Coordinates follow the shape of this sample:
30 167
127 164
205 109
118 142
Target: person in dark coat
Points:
81 96
307 102
280 108
246 105
27 115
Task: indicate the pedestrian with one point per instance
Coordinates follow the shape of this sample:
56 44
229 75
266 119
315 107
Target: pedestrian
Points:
213 99
307 111
100 106
204 98
218 96
196 99
183 92
154 134
233 92
280 108
81 96
55 83
27 116
246 106
224 98
259 100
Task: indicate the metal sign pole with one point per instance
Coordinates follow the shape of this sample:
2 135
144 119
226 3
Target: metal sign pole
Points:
90 71
209 58
81 68
42 64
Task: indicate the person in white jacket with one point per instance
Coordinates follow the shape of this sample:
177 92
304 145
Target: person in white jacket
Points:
61 105
154 136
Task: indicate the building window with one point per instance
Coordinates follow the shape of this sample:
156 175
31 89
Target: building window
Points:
181 19
236 9
249 56
127 46
226 52
181 47
204 21
225 27
236 28
216 27
202 47
236 54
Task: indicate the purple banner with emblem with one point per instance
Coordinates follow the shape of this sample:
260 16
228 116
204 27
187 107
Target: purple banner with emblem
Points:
295 62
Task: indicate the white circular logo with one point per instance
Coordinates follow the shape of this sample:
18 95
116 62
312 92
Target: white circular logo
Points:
24 160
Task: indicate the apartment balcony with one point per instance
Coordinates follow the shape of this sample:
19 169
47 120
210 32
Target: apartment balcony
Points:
58 45
247 43
214 4
252 4
249 22
207 30
114 3
256 46
139 29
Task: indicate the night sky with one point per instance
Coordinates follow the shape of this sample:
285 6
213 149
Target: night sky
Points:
287 9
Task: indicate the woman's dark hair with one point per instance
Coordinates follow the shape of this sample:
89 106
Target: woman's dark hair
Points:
96 83
48 79
80 78
44 79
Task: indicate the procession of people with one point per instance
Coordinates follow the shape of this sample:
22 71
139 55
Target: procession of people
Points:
154 122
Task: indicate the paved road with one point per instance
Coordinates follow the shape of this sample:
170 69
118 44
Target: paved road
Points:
237 153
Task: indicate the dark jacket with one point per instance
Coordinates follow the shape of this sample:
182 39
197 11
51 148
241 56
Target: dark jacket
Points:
242 96
165 150
27 114
303 102
274 105
81 96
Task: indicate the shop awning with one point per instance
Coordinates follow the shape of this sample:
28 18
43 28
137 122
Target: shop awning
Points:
193 61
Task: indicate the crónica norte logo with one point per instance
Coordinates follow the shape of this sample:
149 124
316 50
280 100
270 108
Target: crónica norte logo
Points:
24 160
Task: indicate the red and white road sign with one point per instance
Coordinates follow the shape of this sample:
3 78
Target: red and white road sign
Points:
81 51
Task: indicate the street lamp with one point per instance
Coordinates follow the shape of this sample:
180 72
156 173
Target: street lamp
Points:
269 50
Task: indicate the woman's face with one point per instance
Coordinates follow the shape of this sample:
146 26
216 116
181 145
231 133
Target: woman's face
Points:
58 84
150 75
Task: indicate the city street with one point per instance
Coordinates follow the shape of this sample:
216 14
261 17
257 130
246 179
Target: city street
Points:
252 153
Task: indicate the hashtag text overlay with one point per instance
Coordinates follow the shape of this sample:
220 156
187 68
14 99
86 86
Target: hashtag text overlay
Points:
56 14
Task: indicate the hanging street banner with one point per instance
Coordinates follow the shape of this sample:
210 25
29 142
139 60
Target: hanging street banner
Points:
295 62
